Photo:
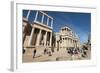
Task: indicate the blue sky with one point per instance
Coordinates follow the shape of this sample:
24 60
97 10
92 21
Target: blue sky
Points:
80 23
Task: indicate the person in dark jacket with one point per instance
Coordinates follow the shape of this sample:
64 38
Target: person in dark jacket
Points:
34 53
45 51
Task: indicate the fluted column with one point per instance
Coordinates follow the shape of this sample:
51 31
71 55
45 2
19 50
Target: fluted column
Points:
52 23
48 21
31 36
36 16
42 18
72 43
38 38
28 14
51 39
45 38
68 42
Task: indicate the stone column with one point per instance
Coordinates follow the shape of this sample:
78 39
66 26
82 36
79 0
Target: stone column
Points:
42 18
36 16
31 36
23 37
56 42
38 38
65 42
51 39
45 38
68 43
52 23
23 33
48 21
76 44
28 14
72 43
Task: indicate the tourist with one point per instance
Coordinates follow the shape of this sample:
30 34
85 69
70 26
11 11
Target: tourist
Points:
34 53
45 51
23 51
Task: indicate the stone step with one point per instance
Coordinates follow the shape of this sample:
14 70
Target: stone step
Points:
39 50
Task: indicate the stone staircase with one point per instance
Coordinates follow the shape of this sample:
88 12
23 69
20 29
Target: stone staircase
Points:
39 50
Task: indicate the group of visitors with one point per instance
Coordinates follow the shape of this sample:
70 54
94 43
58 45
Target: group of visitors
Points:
73 51
46 51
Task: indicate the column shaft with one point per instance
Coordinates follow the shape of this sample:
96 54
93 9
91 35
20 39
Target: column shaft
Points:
38 38
31 37
48 21
52 23
42 18
36 16
51 39
28 14
45 38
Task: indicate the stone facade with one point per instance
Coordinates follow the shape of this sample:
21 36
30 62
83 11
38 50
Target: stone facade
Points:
38 36
66 38
39 33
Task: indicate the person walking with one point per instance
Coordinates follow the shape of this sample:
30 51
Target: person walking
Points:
45 51
34 53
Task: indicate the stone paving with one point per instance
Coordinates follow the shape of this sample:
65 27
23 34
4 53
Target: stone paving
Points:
60 55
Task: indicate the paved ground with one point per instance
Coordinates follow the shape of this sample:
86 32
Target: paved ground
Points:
60 55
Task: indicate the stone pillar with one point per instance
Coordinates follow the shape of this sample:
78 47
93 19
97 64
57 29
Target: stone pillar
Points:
48 21
51 39
42 18
52 23
45 38
23 37
38 38
68 43
31 36
36 16
56 42
76 44
72 43
23 27
28 14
